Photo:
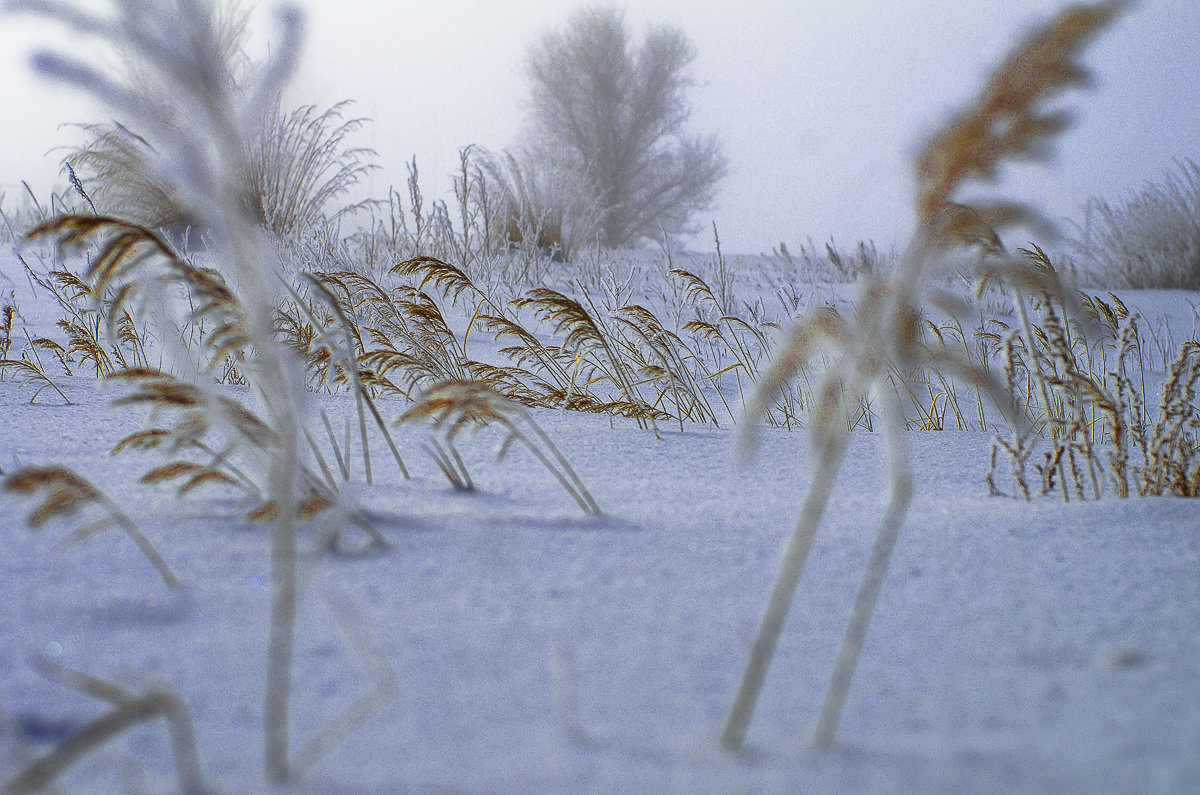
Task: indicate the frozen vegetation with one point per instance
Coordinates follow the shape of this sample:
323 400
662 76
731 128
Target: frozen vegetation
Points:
408 496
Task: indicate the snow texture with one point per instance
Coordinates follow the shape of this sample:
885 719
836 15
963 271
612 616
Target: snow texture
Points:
1016 647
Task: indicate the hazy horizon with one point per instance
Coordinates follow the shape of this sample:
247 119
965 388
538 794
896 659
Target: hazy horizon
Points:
820 105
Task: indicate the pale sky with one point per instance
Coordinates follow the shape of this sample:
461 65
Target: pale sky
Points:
821 104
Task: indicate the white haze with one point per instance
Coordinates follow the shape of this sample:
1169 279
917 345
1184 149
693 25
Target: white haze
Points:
820 103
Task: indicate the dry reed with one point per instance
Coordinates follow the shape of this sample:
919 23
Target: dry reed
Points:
128 710
452 406
1007 121
207 158
65 493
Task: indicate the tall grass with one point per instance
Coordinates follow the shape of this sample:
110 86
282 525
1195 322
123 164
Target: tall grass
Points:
294 168
180 56
543 203
300 163
1149 239
1009 120
829 263
116 162
292 164
466 314
1091 426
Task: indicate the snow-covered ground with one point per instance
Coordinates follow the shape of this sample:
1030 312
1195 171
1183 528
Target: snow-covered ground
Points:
1016 647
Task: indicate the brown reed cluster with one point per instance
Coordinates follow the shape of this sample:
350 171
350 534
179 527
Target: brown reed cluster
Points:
452 406
1090 419
624 361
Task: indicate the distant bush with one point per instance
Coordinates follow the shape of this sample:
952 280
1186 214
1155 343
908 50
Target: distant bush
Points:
541 206
812 265
1149 240
300 164
296 164
115 164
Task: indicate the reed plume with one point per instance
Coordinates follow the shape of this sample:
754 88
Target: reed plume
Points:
181 59
64 493
1007 121
453 406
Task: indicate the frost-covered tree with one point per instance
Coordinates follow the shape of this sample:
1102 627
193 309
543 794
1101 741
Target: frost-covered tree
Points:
619 110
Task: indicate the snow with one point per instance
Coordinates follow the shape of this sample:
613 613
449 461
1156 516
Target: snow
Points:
1016 647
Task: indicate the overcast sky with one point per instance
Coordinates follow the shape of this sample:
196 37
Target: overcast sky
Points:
820 103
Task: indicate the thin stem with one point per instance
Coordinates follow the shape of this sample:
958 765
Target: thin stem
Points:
387 436
868 593
284 596
564 472
144 544
833 450
337 451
